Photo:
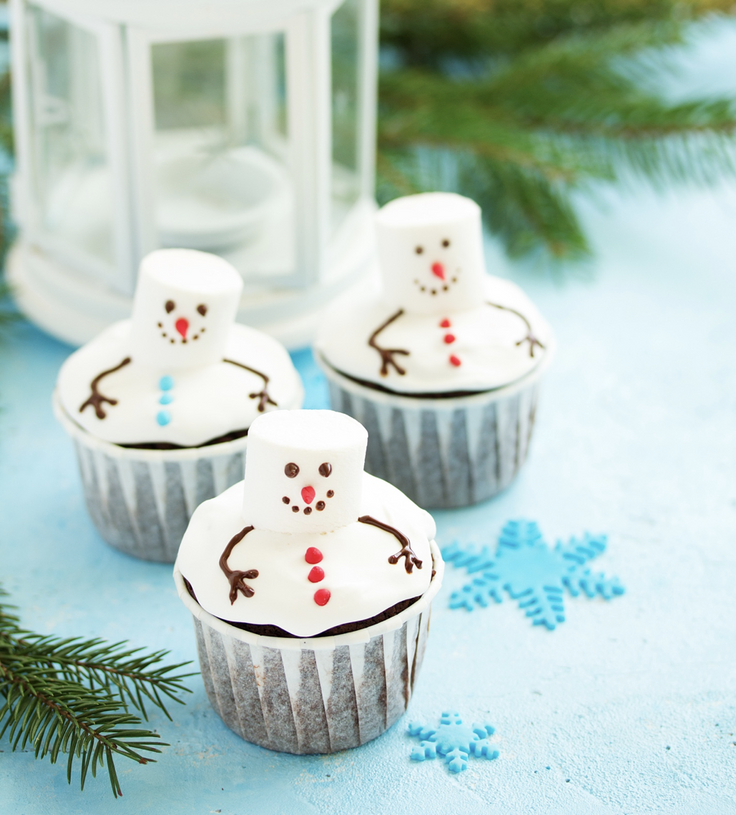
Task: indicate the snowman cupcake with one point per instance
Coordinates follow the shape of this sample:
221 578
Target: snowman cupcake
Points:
159 406
310 584
443 364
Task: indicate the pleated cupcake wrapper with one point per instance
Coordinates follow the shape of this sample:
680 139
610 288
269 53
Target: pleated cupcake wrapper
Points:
443 453
141 500
315 695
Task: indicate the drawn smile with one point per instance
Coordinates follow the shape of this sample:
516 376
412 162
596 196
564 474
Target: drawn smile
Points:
442 283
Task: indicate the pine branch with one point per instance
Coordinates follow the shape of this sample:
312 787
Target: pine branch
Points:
71 696
528 131
438 33
526 210
64 717
96 663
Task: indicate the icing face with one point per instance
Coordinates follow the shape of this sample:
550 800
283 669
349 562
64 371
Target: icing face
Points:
184 307
303 471
430 250
177 328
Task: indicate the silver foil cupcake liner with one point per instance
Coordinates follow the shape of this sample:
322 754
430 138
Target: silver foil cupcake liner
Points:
316 695
443 453
141 500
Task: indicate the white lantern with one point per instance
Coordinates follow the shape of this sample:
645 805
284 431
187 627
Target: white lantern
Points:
240 127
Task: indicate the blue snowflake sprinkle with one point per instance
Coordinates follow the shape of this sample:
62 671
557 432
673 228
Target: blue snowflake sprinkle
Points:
453 741
531 572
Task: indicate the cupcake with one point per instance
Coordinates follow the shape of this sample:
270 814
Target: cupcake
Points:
159 406
442 364
310 584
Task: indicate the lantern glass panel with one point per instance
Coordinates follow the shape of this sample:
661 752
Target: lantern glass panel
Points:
70 161
221 150
346 114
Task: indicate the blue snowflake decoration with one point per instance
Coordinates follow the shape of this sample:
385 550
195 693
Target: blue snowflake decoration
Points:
452 740
531 572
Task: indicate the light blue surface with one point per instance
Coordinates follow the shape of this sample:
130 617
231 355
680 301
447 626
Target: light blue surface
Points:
635 438
629 707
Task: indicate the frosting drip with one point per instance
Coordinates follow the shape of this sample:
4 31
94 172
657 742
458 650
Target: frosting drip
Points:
360 575
477 349
143 405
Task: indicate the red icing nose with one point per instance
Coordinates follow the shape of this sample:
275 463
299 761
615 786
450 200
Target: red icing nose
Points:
438 270
308 495
182 326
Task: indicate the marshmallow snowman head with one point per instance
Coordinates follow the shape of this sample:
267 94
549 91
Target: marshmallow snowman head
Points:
304 471
430 250
184 307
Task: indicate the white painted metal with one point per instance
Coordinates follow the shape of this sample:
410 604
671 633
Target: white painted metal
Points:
72 293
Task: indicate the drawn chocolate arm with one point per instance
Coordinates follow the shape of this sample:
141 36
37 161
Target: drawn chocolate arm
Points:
387 354
530 338
410 559
262 395
235 577
97 399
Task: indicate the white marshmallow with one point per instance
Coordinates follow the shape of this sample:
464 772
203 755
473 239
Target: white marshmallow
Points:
184 308
430 250
324 452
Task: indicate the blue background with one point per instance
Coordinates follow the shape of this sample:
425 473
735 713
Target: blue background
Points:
628 707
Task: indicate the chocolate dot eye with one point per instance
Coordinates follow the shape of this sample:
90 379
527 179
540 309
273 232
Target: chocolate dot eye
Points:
325 469
291 470
419 250
445 243
169 306
202 309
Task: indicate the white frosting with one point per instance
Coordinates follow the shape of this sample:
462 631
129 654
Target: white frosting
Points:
361 581
485 342
178 393
295 442
355 556
462 329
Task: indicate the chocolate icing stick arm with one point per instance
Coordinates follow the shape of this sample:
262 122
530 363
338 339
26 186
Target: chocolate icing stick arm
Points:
387 354
97 399
530 338
410 559
263 395
235 577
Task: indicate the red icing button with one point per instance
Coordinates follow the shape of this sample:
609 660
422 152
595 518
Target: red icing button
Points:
449 338
317 574
445 323
308 495
322 597
455 361
313 555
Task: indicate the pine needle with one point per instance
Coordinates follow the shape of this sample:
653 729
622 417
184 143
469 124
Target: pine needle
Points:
73 697
520 121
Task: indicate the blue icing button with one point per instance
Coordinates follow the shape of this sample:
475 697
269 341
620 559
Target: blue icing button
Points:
166 399
166 383
163 417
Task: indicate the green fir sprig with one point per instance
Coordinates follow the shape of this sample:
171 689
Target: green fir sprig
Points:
524 105
75 697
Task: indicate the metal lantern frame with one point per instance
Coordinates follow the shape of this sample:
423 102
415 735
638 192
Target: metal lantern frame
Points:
73 294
